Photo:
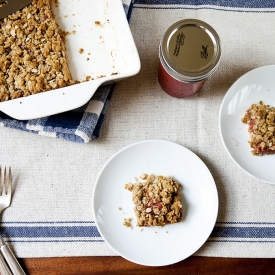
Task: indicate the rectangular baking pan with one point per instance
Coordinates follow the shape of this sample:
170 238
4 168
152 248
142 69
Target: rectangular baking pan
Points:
99 45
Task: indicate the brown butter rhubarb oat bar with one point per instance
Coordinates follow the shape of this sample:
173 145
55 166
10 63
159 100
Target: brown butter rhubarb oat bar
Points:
261 121
32 52
157 201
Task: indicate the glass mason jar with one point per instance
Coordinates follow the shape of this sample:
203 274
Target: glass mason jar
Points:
189 54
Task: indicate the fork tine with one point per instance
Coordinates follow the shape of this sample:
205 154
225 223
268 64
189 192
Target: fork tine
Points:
9 181
4 183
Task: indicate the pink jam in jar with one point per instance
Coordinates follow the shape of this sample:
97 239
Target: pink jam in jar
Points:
189 54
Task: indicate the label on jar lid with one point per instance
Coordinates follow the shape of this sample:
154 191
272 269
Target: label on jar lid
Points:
190 50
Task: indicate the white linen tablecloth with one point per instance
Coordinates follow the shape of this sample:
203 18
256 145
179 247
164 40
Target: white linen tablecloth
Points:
51 210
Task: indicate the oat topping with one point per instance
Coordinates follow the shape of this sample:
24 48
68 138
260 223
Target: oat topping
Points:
261 121
128 222
143 176
32 52
129 186
157 201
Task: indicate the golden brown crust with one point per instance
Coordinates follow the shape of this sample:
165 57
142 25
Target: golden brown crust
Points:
261 121
157 201
32 52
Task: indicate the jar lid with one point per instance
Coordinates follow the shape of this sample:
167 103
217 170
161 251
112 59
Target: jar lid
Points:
190 50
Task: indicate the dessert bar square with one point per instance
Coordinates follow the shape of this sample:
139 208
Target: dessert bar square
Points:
261 121
157 201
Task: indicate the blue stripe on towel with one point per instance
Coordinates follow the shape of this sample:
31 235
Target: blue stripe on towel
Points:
49 231
55 241
221 3
243 232
86 231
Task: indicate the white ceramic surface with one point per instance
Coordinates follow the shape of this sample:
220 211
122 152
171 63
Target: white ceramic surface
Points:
100 28
253 87
155 246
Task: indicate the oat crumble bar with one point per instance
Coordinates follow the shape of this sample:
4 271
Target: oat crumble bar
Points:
157 201
32 52
261 121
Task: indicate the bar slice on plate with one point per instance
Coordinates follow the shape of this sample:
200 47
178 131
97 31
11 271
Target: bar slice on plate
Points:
261 127
157 201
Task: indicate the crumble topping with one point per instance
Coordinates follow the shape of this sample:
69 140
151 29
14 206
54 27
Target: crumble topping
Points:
129 186
157 200
261 121
32 52
128 222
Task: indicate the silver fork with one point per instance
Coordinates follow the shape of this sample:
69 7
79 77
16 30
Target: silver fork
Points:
4 203
5 200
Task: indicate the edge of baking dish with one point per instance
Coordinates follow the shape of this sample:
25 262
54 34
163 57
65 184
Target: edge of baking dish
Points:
115 53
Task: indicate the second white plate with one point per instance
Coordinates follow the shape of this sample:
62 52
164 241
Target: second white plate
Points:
155 246
253 87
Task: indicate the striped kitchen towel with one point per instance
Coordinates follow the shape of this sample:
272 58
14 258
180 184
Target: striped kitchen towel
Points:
51 215
80 125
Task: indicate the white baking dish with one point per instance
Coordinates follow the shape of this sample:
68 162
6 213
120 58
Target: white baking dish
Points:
100 28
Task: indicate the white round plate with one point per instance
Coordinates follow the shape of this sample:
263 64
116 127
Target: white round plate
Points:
253 87
155 246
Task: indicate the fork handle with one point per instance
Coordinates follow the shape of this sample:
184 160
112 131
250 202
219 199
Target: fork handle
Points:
12 261
4 269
